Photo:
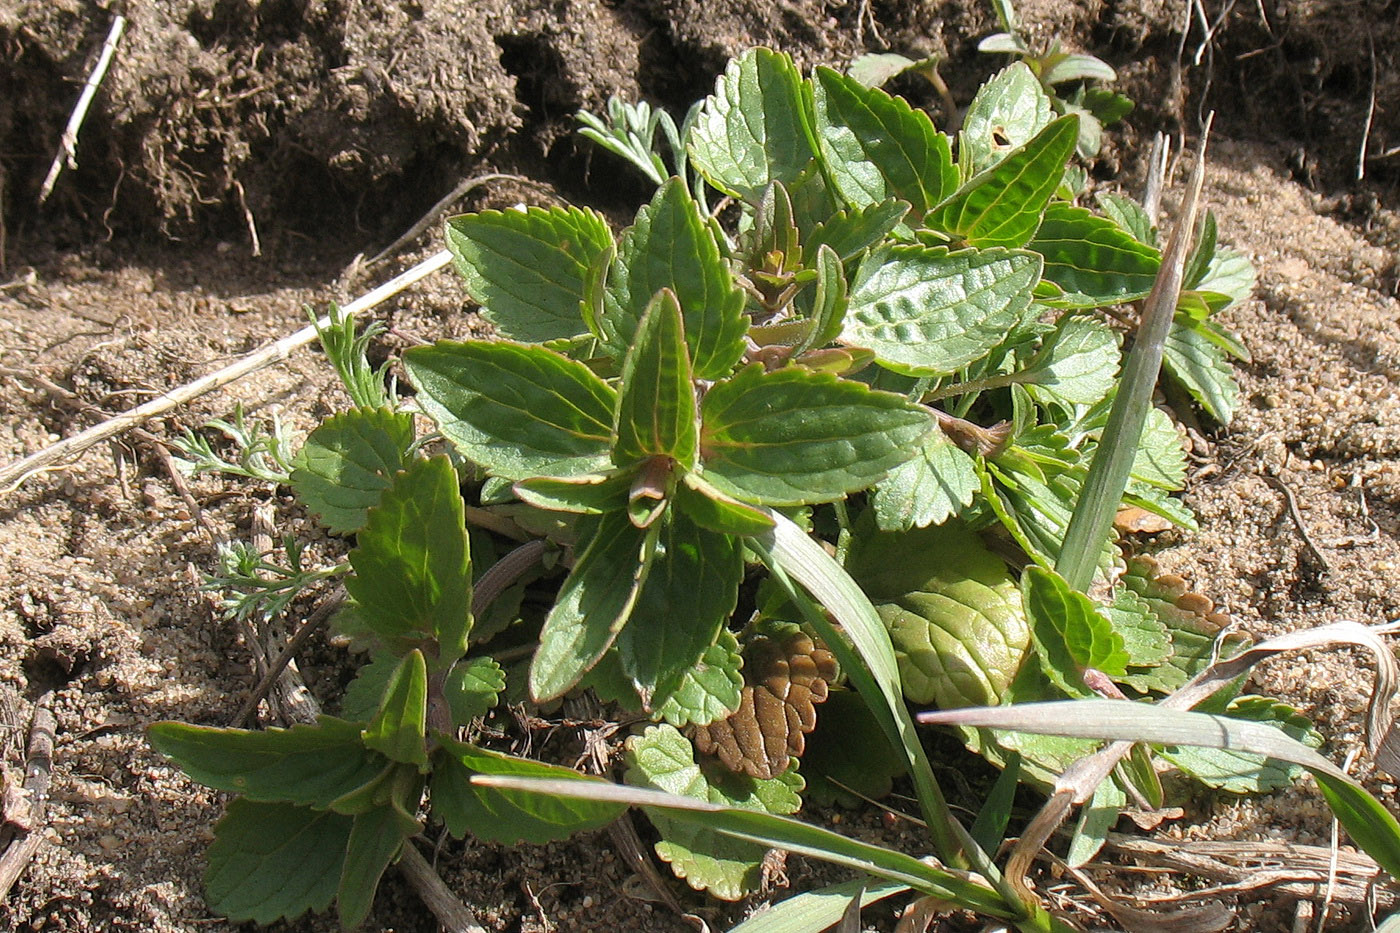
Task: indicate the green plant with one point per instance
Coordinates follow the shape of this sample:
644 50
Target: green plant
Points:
871 343
1097 107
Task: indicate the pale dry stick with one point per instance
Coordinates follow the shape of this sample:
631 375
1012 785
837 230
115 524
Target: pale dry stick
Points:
314 622
454 916
1156 176
55 455
292 700
1370 115
1210 917
38 770
248 218
68 145
1291 503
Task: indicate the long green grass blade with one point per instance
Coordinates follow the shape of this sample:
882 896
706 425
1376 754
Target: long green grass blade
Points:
779 832
1108 474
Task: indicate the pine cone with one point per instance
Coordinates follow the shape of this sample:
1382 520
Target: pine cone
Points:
784 679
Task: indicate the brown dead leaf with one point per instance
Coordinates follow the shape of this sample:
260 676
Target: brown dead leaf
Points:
785 679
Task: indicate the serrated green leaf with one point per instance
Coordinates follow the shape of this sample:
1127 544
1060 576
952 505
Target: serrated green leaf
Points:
1229 278
1145 637
516 410
794 437
375 840
851 232
1128 215
951 607
586 494
656 411
362 696
1193 634
671 246
1091 259
594 603
306 765
1002 205
1241 772
273 861
847 753
1199 366
708 690
1161 457
929 488
1069 633
412 576
348 462
472 688
750 131
875 146
928 312
711 509
689 594
527 269
1077 363
502 816
663 759
399 728
1008 111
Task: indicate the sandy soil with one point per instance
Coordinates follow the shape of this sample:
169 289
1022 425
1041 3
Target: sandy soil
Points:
139 276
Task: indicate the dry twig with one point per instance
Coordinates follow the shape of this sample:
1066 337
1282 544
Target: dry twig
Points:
38 770
56 455
314 623
68 145
1291 502
1284 868
454 916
